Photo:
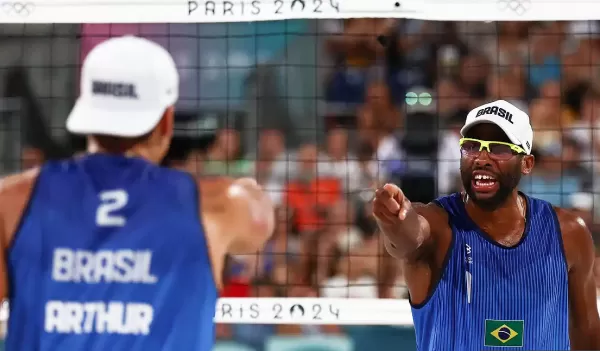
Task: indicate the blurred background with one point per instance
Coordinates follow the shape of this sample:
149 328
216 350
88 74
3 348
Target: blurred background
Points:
321 112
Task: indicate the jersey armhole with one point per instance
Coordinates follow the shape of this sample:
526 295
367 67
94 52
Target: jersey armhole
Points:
198 208
560 237
26 210
443 270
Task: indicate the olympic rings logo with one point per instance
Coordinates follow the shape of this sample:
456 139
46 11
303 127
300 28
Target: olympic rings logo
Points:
301 2
22 9
517 6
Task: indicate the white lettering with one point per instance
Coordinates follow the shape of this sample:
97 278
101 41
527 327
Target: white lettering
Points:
120 266
65 317
61 265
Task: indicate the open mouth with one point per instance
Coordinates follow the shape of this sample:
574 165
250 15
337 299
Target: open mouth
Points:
484 182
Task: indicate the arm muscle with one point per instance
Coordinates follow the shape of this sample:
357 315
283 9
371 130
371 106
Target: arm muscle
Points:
579 248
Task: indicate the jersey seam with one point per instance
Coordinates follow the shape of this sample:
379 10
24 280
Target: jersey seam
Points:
209 254
444 269
560 238
26 209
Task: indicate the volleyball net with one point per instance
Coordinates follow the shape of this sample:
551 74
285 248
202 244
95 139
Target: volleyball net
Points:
322 101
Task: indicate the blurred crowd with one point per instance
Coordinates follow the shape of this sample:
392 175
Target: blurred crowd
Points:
325 243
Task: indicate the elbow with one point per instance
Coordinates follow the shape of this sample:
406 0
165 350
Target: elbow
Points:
262 217
264 222
252 212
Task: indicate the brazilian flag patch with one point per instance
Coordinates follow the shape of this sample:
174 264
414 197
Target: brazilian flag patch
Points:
504 333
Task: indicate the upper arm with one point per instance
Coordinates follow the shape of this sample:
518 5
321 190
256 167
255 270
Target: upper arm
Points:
15 191
580 255
237 214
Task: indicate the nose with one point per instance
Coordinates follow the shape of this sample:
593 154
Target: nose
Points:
483 159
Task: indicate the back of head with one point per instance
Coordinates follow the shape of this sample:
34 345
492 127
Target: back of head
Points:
128 87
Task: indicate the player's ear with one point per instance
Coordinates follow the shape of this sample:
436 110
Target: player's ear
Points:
167 122
527 163
164 133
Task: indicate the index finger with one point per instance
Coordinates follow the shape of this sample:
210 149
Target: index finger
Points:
393 190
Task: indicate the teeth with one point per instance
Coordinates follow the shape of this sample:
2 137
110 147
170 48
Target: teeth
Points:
481 176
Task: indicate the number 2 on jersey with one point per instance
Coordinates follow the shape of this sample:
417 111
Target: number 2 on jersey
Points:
111 202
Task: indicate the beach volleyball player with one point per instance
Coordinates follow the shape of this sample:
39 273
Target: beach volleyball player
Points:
492 268
110 251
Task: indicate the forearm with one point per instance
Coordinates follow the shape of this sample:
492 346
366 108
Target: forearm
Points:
406 236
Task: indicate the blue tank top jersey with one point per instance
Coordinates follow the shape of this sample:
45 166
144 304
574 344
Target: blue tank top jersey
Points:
111 255
491 297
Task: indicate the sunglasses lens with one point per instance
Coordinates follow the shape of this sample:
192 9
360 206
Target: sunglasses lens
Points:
470 147
501 151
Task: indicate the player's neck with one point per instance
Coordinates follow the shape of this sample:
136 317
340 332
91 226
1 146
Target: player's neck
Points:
510 211
137 152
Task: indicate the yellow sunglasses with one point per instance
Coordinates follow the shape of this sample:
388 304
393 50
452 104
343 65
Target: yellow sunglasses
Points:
496 149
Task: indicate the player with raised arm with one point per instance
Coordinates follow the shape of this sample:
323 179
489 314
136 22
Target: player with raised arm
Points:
110 251
492 268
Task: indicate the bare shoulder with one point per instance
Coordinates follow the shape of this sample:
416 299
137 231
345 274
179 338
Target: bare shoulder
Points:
577 239
15 191
211 186
212 191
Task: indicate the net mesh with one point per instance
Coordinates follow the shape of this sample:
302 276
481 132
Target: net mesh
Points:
320 112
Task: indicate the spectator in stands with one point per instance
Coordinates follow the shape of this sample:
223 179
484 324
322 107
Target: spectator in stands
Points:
545 53
225 157
271 150
450 97
550 180
509 46
473 71
311 189
270 274
450 50
344 164
415 64
353 44
369 174
379 102
586 130
276 265
545 113
355 41
580 53
448 158
379 123
507 86
571 162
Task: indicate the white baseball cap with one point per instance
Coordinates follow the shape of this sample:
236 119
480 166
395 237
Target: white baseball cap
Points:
127 83
513 121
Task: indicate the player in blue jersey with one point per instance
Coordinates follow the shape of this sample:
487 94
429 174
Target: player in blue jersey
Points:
492 268
110 251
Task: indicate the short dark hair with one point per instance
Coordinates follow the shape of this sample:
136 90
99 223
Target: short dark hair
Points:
181 148
115 144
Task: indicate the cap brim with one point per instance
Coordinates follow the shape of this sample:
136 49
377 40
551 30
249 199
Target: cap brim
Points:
87 120
493 120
